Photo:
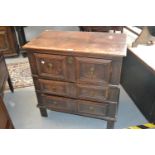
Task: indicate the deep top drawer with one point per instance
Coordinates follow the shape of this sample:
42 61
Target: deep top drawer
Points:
56 67
76 69
78 91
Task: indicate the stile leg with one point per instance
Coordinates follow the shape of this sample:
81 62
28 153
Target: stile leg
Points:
43 112
110 124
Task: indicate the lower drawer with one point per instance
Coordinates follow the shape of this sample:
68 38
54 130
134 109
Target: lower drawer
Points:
74 106
78 91
87 107
58 103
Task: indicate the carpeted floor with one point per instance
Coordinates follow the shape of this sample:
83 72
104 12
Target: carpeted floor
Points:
20 74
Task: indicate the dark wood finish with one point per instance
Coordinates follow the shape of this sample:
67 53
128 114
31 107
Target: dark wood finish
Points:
4 75
138 79
131 30
87 107
104 110
3 71
53 66
117 28
101 28
92 93
110 124
5 121
93 71
77 72
88 44
58 103
81 91
10 84
21 35
57 88
3 40
8 41
43 112
3 118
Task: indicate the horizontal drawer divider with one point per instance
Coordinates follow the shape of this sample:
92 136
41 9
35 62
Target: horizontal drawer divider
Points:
46 78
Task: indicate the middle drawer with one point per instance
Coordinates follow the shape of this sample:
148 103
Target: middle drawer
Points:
80 91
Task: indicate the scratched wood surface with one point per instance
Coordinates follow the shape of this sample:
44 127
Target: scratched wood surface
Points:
85 42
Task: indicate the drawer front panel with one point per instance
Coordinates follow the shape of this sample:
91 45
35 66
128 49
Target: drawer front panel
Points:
92 108
93 93
57 88
51 66
95 71
59 103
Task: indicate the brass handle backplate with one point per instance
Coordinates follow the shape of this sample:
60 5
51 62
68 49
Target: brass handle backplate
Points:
50 65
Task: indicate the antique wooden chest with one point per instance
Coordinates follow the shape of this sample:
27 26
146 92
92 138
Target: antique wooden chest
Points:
78 72
5 120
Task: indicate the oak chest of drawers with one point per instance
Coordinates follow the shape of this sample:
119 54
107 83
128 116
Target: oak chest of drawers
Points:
78 72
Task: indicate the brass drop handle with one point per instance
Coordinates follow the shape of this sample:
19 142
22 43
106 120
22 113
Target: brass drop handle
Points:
70 60
92 69
42 62
50 65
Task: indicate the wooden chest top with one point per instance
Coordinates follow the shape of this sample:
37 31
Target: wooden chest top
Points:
80 42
